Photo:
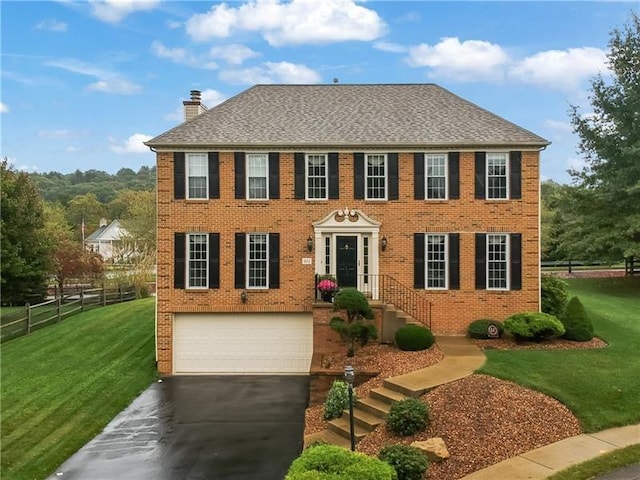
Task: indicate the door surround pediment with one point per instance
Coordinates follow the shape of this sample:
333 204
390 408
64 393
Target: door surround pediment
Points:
345 220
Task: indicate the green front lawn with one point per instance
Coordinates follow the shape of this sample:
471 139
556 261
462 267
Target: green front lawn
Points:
600 465
62 384
600 386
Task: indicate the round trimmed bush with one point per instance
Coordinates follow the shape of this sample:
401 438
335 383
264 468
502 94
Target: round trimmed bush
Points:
576 323
330 462
337 399
410 463
408 416
479 328
412 338
533 326
554 293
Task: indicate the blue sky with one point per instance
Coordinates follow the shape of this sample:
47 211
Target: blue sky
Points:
85 83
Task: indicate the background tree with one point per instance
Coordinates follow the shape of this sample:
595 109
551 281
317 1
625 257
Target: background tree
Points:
606 200
85 208
24 246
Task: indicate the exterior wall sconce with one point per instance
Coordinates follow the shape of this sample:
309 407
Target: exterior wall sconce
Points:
383 243
243 296
309 243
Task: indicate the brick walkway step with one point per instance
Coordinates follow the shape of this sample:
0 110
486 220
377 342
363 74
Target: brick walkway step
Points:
341 427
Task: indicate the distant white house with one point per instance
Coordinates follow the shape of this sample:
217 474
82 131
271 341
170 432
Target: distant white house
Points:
105 239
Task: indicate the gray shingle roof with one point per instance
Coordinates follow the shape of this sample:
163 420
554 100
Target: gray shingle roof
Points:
411 115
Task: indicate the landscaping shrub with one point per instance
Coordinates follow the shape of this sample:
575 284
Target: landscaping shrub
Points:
576 323
408 416
554 293
410 463
330 462
533 326
356 329
337 399
412 338
479 328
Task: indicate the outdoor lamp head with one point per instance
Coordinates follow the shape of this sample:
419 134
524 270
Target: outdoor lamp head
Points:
349 374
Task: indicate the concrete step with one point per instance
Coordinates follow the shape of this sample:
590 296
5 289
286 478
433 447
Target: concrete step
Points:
367 420
386 394
373 406
341 427
328 437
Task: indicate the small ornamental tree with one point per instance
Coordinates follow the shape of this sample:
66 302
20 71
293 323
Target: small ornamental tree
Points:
577 323
356 330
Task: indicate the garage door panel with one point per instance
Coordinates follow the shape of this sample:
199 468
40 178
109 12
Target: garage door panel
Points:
243 344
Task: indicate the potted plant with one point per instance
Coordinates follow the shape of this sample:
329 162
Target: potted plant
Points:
327 286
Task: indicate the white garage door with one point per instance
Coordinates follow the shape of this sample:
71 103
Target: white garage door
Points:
261 343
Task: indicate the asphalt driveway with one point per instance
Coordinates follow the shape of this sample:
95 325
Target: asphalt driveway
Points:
200 427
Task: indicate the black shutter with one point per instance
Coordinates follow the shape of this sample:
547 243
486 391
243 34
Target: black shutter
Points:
214 260
481 261
418 176
516 261
418 260
454 261
298 160
393 192
274 260
515 175
334 176
179 179
240 254
454 175
239 167
481 165
274 175
214 175
358 176
179 256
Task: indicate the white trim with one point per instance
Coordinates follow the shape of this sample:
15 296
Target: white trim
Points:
486 176
446 176
247 259
507 253
187 161
326 176
386 177
426 261
188 285
246 176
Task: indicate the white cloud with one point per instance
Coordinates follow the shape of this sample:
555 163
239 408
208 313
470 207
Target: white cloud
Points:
468 60
4 108
52 25
133 144
23 168
181 56
173 24
108 82
558 125
58 133
270 72
234 53
561 69
390 47
575 163
113 11
210 98
293 23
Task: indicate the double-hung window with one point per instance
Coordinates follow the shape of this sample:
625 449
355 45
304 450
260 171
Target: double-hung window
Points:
497 176
497 261
197 260
436 177
436 261
257 177
317 173
376 176
258 260
197 176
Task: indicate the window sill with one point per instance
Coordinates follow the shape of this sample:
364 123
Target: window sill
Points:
198 290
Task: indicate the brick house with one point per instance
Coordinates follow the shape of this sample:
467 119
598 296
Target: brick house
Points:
403 191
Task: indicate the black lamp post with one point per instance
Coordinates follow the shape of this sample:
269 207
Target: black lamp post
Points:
350 375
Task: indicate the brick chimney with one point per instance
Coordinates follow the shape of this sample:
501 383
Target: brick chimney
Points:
193 107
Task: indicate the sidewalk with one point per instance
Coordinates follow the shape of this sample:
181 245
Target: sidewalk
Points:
542 462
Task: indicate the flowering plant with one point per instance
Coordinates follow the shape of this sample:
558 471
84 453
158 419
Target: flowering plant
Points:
327 285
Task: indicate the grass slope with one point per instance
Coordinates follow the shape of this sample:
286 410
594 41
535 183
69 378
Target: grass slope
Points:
61 385
601 386
600 465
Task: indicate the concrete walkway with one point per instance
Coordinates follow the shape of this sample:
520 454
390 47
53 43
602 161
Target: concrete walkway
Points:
543 462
